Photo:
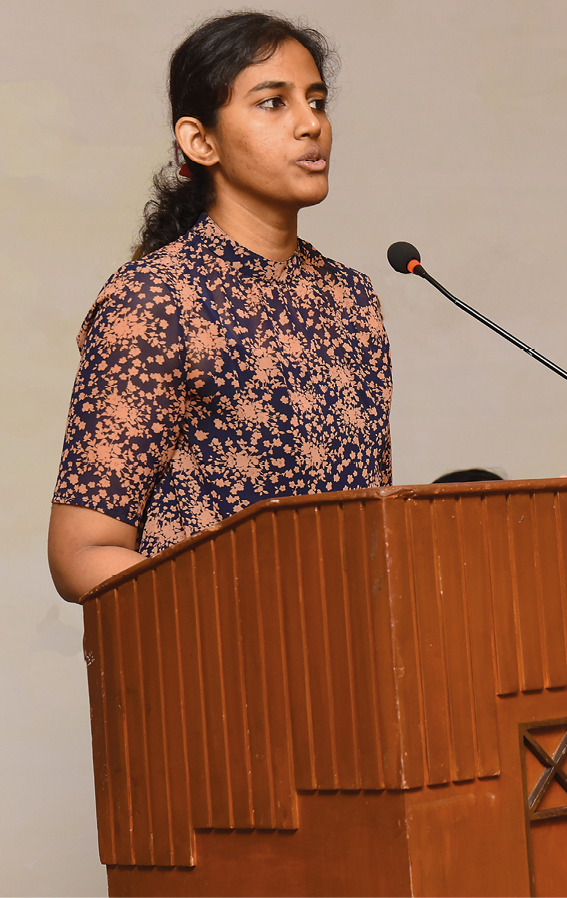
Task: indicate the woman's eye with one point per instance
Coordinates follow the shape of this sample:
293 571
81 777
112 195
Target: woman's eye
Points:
320 104
271 103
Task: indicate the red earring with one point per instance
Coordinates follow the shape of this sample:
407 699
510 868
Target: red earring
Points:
185 172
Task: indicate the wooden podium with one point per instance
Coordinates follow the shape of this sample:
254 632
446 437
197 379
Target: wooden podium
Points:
359 693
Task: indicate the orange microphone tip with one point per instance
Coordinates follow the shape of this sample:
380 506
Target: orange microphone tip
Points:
412 265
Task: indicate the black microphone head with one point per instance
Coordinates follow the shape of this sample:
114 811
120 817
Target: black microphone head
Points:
401 254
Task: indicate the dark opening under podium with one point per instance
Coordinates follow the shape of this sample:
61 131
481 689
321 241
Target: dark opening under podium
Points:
359 693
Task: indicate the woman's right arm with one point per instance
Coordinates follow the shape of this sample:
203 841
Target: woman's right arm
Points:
125 416
86 547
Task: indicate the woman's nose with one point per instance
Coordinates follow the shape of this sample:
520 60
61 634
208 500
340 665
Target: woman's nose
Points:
307 123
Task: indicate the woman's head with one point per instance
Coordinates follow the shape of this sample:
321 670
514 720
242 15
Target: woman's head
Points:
267 155
203 71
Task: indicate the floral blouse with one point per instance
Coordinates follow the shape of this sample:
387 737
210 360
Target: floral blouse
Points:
211 378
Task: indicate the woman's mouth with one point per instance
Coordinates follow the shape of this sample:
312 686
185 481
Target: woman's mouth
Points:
312 161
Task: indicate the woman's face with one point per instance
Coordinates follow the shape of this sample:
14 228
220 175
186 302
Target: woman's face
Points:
273 137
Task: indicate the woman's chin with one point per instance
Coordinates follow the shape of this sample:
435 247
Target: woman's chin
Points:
314 197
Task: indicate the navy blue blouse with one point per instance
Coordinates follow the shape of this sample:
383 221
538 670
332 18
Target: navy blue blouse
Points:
211 377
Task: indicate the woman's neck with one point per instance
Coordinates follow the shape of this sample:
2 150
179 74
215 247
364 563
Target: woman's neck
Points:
270 233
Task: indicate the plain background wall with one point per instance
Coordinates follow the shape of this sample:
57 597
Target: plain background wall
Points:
450 132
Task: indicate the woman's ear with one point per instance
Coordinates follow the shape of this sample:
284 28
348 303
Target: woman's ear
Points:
195 141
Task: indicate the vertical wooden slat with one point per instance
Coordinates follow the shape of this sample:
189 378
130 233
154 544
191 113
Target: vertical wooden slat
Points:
336 601
194 691
152 679
159 671
116 728
287 537
173 703
363 657
549 593
480 627
95 660
317 639
501 580
233 678
213 686
431 647
379 596
561 524
522 535
457 649
135 720
269 579
246 571
401 728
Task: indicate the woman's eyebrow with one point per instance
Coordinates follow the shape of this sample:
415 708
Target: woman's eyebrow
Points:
286 85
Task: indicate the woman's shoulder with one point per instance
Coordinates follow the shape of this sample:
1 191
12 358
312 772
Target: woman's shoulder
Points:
150 285
322 268
162 267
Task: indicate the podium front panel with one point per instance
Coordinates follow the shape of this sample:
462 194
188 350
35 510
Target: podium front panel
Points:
380 646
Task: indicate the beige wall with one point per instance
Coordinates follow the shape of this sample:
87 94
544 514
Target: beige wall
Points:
451 129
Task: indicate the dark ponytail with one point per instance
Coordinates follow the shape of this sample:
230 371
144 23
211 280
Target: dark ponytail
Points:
202 72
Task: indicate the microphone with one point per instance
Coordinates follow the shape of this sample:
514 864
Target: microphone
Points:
405 258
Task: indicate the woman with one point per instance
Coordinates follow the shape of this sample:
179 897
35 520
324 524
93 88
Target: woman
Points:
229 362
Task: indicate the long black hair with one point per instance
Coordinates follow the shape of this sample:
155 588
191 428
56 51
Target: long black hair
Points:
201 74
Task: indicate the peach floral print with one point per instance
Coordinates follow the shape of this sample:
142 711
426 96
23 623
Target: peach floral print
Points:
211 378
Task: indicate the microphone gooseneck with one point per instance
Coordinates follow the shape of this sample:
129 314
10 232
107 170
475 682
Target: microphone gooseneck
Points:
405 258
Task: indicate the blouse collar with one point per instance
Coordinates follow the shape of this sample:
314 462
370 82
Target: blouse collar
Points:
244 261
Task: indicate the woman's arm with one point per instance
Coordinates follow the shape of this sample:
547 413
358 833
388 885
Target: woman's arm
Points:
126 412
85 547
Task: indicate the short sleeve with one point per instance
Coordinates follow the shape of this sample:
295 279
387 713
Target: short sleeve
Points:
128 401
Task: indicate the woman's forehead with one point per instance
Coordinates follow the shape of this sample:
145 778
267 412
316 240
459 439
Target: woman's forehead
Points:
290 63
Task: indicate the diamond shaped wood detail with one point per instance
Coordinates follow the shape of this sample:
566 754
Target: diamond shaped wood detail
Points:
552 774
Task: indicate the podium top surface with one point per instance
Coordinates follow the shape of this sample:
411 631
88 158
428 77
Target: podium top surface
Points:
388 494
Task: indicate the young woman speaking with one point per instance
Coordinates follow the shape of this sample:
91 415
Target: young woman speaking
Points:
230 361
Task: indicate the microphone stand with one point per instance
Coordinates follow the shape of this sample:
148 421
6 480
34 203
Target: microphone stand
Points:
420 270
